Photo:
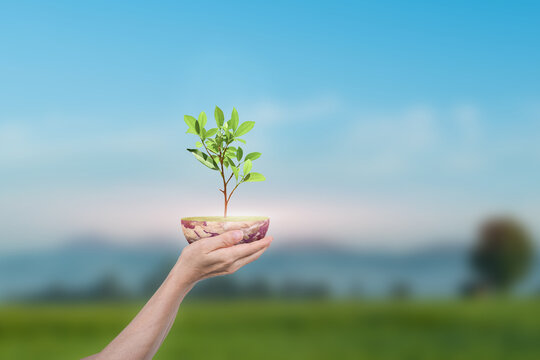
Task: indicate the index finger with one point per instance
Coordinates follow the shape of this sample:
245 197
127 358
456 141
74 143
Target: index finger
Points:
242 250
224 240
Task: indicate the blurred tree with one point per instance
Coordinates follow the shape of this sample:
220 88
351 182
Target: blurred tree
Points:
503 253
400 290
109 287
356 291
294 289
474 288
153 282
258 288
220 287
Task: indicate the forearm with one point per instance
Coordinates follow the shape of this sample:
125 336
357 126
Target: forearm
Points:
143 336
214 256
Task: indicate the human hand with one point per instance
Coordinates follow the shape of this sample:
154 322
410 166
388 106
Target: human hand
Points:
202 259
218 255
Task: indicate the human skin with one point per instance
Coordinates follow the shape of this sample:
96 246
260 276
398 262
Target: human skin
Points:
202 259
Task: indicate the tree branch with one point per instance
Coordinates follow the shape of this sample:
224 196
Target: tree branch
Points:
230 195
224 183
230 177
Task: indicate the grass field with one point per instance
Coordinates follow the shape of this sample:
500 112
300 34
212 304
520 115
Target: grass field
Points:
287 330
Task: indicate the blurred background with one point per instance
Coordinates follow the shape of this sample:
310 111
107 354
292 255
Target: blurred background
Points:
400 141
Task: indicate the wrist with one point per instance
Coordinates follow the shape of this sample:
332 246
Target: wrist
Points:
182 277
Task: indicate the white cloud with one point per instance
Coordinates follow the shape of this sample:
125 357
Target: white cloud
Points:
467 118
279 112
35 144
394 143
15 143
389 143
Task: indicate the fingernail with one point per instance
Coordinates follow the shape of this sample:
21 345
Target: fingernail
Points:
238 235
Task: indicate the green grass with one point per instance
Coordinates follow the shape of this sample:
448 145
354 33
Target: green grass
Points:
287 330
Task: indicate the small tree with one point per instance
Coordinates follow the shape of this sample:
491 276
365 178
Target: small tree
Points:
219 155
503 253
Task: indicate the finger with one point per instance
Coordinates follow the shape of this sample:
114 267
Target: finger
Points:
250 258
234 265
243 250
268 240
224 240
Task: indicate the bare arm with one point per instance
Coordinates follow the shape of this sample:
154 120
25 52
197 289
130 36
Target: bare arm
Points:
202 259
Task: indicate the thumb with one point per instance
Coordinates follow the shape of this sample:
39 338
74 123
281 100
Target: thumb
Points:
224 240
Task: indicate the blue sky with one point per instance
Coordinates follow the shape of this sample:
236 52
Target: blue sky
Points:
379 122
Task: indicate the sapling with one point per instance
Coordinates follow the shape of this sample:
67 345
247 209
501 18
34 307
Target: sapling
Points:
215 150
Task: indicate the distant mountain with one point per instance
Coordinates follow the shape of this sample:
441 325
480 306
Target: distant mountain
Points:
435 271
81 264
430 272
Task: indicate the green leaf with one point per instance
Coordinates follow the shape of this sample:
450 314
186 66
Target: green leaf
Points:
253 177
226 162
218 115
198 144
203 158
203 133
239 153
198 128
230 137
222 141
241 140
211 132
233 123
230 156
247 167
235 171
211 145
231 152
202 119
190 121
253 156
244 128
230 160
